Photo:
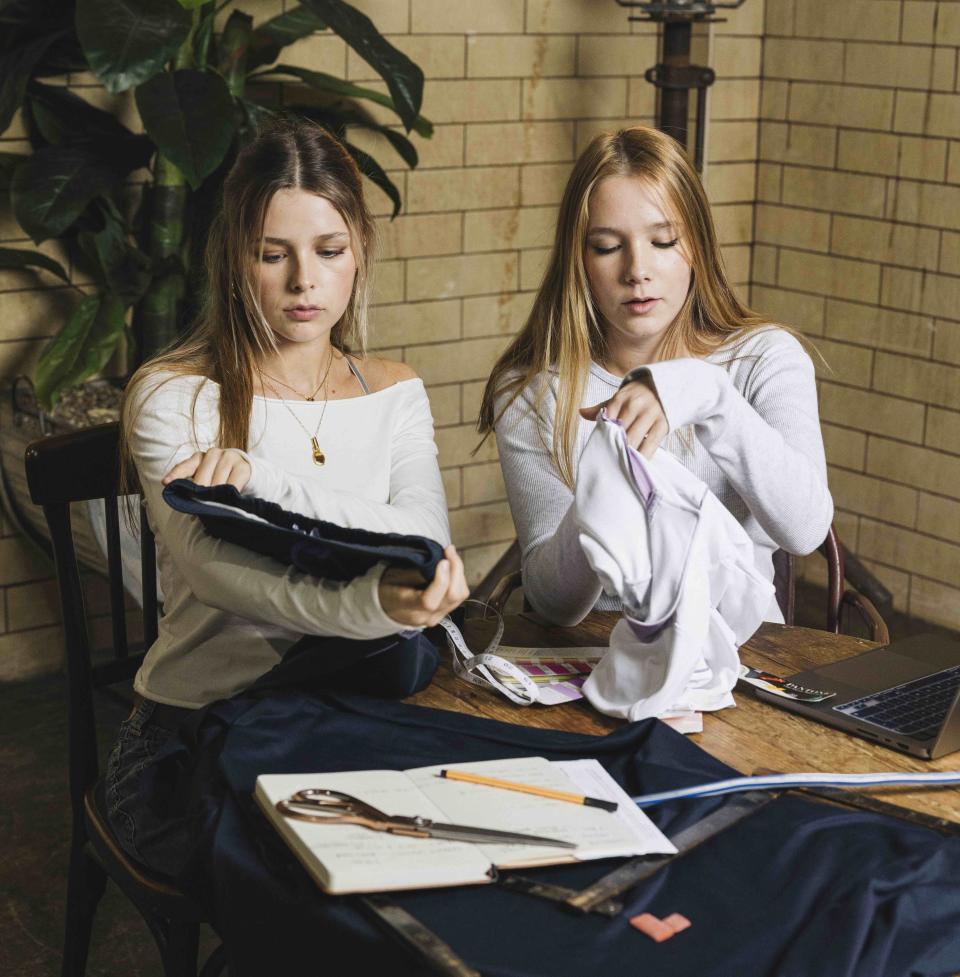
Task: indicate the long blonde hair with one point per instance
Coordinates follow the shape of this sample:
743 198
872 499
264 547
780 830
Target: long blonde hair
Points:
231 332
564 332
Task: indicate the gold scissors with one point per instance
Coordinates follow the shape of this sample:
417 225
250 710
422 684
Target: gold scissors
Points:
322 806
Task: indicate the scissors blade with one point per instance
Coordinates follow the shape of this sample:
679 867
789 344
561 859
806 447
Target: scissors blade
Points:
490 836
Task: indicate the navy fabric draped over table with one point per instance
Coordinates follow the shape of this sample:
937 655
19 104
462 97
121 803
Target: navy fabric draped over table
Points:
799 889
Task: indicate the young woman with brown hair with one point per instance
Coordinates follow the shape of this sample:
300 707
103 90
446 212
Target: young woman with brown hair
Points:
273 394
635 314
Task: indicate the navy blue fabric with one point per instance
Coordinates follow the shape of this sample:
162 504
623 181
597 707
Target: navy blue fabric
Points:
800 889
162 797
321 548
389 667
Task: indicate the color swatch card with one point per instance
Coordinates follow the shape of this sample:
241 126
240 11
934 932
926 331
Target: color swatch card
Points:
559 673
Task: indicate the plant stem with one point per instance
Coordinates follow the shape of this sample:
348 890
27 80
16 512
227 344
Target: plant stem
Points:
157 318
157 321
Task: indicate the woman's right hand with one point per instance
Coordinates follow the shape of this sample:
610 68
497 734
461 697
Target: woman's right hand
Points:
216 466
637 407
406 598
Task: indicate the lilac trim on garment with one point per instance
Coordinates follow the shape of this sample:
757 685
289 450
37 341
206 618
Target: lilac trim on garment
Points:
640 477
647 632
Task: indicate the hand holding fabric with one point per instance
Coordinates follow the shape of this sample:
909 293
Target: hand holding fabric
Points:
217 466
637 407
405 599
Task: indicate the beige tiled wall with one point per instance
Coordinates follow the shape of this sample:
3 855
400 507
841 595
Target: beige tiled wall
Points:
856 244
532 84
516 89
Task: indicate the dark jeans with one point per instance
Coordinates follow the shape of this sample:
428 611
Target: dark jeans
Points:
150 838
143 803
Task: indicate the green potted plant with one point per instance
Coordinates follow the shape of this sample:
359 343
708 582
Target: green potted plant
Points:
203 79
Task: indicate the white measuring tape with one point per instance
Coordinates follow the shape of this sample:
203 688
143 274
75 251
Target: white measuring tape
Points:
785 780
484 668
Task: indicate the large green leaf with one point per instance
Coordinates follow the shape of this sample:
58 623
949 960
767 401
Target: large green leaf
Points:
322 82
8 165
121 265
51 189
269 39
192 4
129 41
369 167
202 37
81 349
46 13
233 49
254 118
16 67
63 118
16 259
354 119
403 77
338 119
190 116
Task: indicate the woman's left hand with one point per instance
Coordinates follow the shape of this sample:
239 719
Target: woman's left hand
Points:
218 466
637 407
406 599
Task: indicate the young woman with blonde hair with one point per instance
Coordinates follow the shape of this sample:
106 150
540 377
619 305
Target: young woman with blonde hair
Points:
273 394
635 314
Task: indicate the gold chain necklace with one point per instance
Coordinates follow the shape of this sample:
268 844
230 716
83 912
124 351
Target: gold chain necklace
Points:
319 458
312 396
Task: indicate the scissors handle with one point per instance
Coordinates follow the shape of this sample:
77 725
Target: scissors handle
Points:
322 806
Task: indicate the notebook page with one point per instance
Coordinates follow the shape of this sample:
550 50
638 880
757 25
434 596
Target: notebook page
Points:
592 779
597 833
350 858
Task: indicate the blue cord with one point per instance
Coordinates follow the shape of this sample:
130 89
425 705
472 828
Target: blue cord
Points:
786 780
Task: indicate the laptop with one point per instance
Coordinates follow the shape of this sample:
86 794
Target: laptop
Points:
905 695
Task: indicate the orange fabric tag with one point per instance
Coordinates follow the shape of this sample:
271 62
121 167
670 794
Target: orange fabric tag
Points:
676 922
649 925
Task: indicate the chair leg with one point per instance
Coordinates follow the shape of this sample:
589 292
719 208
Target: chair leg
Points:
179 948
85 884
216 963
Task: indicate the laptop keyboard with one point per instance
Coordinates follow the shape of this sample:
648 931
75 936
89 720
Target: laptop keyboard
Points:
915 708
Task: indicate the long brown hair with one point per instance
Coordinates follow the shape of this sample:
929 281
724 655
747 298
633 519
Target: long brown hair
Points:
564 332
231 331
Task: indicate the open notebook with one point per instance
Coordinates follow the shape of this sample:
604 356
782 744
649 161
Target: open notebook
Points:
346 858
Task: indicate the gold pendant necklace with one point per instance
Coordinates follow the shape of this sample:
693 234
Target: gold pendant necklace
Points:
319 458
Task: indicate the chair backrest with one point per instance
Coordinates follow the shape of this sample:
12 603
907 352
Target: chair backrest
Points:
78 467
504 577
784 583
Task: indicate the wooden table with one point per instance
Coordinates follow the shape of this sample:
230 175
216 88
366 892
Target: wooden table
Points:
752 736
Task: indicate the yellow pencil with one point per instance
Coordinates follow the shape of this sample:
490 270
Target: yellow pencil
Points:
557 795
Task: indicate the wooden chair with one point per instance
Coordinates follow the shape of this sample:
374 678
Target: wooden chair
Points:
70 468
505 577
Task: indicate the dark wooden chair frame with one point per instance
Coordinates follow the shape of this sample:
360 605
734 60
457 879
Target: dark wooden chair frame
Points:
78 467
505 577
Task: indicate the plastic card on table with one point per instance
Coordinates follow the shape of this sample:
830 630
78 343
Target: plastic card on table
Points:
559 673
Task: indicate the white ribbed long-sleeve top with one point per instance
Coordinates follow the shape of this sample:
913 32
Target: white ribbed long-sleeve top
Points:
744 420
229 613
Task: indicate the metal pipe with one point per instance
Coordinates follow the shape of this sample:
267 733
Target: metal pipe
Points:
674 102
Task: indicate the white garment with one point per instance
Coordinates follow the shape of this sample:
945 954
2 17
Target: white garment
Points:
229 613
683 568
743 420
